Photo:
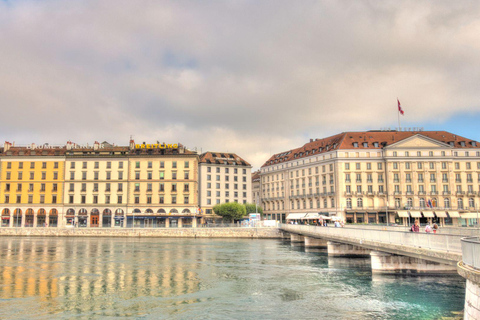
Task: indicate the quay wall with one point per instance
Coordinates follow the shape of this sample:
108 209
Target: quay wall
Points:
247 233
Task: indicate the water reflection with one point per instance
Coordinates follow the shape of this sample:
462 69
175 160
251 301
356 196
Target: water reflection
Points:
95 278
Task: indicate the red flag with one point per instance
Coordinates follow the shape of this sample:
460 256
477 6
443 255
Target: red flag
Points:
400 108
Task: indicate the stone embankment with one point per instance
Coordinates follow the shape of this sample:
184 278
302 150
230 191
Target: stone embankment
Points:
246 233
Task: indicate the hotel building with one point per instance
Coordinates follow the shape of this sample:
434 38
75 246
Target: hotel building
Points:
223 177
376 177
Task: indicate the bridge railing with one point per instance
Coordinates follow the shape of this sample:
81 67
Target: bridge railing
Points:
471 251
440 242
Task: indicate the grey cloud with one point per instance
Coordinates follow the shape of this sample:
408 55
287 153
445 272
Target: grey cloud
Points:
255 77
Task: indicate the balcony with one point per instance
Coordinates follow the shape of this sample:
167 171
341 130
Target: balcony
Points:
348 193
444 180
471 193
381 194
420 180
119 190
421 193
397 193
359 180
136 190
433 193
396 180
380 180
369 181
331 181
460 193
370 193
408 180
409 193
458 181
446 193
433 180
348 181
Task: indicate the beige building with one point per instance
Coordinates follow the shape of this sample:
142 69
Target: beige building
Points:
376 177
223 177
163 187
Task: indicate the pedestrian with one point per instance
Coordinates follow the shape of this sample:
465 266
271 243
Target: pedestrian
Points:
435 227
428 228
415 227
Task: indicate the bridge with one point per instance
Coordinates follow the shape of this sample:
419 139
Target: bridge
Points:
395 250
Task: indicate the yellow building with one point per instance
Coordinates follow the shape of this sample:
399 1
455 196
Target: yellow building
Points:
31 182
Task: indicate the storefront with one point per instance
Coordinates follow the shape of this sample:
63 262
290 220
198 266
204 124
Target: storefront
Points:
41 217
17 218
107 218
53 218
94 218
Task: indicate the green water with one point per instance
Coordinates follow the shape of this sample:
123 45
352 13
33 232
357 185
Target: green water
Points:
103 278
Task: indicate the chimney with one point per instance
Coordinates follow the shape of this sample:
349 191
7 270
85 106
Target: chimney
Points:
96 145
311 140
6 146
69 145
132 143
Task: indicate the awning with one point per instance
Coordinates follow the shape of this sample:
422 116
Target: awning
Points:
6 218
293 216
403 213
415 214
325 218
453 214
428 214
312 215
441 214
469 215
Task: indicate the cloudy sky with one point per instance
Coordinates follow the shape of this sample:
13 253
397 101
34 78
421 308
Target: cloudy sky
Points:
251 77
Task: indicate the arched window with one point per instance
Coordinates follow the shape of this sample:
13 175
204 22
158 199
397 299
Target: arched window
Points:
149 211
17 212
349 203
136 211
119 212
82 212
460 203
42 212
6 212
410 202
71 212
360 202
29 212
161 211
422 202
174 211
95 212
446 203
186 211
107 212
53 212
471 203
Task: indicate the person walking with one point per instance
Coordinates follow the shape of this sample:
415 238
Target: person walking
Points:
435 227
415 227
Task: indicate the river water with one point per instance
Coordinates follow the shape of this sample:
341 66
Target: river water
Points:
158 278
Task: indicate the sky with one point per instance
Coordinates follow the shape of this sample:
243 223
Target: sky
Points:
250 77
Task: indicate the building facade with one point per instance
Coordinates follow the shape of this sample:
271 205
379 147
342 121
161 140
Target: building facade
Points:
99 185
223 177
377 177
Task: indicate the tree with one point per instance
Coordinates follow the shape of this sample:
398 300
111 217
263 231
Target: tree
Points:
230 211
250 208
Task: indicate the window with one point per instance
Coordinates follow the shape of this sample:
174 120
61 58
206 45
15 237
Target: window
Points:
30 187
137 187
149 175
107 199
30 198
137 175
149 164
120 187
32 175
185 200
347 167
20 175
84 165
162 175
107 187
174 187
95 175
149 187
119 199
42 198
120 175
120 165
137 200
137 164
218 178
174 164
357 166
360 203
349 203
162 164
174 199
44 165
161 199
395 165
187 164
96 165
42 187
84 187
407 165
149 199
174 175
54 187
84 175
161 187
186 187
70 199
419 165
95 199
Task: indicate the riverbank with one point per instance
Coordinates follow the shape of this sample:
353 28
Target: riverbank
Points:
246 233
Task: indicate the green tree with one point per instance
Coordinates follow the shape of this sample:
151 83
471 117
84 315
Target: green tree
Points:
230 211
250 208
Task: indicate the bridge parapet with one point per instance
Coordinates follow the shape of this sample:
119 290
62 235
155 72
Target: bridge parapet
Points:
469 268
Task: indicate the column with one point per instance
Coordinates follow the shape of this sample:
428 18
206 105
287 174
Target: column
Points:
35 221
387 263
100 220
180 222
315 243
88 220
10 223
167 223
346 250
23 219
296 238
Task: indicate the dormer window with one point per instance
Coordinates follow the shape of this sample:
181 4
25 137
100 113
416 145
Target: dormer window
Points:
451 143
474 143
462 143
355 144
365 144
375 144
